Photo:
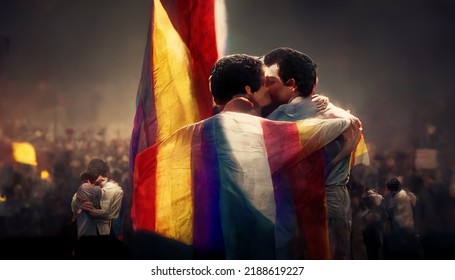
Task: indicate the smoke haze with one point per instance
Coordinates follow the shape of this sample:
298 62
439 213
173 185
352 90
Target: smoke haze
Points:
389 62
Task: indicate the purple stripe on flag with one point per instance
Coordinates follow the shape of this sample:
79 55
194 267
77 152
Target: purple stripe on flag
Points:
207 232
135 135
145 113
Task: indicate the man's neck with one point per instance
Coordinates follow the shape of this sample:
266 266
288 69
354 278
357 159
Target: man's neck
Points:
298 98
242 105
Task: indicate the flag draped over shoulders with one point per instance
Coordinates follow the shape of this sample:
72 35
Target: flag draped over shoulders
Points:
308 181
173 91
213 184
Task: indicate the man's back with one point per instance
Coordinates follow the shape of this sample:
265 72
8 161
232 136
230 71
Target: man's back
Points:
86 226
400 206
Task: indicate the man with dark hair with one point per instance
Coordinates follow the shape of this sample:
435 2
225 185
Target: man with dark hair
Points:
291 78
98 166
111 200
211 184
293 69
240 76
399 204
393 185
401 240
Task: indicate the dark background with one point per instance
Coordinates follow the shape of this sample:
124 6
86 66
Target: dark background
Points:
68 63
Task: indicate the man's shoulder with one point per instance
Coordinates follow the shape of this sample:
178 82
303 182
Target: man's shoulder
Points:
112 185
297 110
333 111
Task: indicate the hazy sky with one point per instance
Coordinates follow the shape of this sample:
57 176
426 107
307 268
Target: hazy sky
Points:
84 55
390 62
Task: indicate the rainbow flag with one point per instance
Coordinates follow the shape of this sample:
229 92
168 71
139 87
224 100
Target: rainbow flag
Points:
217 184
307 181
174 91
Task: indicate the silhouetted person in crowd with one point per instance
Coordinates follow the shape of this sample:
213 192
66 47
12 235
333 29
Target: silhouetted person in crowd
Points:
401 239
373 229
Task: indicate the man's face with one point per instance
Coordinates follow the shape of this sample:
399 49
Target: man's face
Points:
279 92
262 96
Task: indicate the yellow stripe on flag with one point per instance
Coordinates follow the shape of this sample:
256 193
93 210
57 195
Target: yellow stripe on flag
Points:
360 155
316 133
175 102
174 206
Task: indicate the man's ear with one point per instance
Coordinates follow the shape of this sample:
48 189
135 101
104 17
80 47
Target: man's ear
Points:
248 90
291 83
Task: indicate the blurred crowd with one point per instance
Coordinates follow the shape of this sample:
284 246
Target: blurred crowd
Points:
35 199
430 231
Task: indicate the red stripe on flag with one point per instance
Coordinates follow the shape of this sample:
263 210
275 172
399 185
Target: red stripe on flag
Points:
280 150
308 187
194 20
143 210
197 30
308 190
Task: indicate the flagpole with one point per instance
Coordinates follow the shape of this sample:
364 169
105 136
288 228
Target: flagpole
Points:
55 120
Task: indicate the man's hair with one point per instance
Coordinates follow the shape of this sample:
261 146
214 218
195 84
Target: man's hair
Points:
393 185
98 166
88 176
232 73
296 65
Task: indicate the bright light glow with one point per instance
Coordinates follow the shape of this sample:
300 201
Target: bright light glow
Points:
24 152
220 26
44 175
